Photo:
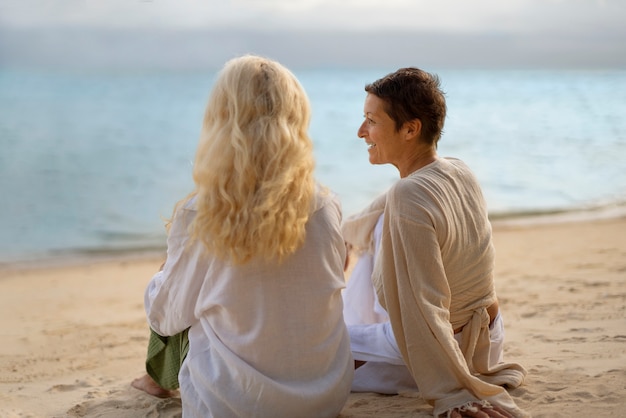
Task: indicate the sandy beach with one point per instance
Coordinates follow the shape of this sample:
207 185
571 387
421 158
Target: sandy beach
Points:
75 335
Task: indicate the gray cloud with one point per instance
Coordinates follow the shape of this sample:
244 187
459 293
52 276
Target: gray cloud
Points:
143 49
446 15
310 33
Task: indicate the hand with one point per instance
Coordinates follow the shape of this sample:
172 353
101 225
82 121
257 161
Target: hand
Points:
481 411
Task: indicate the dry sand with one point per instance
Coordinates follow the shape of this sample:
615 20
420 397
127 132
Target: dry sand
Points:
75 336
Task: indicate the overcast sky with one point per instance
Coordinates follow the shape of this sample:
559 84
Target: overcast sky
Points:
515 32
454 15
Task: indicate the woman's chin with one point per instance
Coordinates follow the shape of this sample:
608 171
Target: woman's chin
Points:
375 161
373 158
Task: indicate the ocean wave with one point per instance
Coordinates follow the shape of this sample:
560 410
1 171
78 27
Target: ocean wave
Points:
604 210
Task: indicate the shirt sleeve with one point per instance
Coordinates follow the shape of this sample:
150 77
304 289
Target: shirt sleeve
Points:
171 295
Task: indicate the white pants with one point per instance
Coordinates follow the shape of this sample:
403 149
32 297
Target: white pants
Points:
385 370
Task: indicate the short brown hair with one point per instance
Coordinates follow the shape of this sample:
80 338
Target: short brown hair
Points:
411 93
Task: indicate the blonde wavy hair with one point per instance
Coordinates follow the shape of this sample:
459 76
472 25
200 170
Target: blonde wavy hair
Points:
254 164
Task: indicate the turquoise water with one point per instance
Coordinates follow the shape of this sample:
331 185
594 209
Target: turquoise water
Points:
92 162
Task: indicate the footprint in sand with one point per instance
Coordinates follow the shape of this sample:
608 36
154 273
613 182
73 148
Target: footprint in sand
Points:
80 384
127 403
15 413
67 388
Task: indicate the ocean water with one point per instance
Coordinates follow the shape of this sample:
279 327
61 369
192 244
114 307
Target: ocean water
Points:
91 163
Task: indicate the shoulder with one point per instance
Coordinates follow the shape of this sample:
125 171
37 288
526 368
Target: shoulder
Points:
325 210
433 179
189 203
326 199
456 164
420 195
412 188
183 216
409 200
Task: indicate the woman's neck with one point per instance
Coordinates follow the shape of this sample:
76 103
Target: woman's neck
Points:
421 158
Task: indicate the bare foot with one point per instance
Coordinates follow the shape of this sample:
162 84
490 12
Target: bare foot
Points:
148 385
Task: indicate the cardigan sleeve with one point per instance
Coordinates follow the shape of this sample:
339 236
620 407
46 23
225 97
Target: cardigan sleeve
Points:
417 297
411 281
358 229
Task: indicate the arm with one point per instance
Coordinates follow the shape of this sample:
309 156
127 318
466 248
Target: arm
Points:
413 284
417 298
358 228
171 295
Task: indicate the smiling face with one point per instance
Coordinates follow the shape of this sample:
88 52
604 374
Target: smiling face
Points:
385 143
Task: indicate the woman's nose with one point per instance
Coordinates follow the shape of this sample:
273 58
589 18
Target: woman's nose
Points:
361 132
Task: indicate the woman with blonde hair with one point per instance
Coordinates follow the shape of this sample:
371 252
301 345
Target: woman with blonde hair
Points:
254 267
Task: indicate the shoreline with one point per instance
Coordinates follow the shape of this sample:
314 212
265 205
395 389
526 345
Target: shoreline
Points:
614 210
77 259
522 219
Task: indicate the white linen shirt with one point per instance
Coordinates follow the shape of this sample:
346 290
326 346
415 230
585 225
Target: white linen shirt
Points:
266 340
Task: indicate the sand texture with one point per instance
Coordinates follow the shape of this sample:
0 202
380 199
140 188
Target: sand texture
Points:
75 335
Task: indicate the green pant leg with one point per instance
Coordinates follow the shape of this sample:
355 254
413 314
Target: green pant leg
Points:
165 356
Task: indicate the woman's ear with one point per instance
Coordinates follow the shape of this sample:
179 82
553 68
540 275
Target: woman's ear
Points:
413 129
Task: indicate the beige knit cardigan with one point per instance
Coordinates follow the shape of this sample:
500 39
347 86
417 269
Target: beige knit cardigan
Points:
434 274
